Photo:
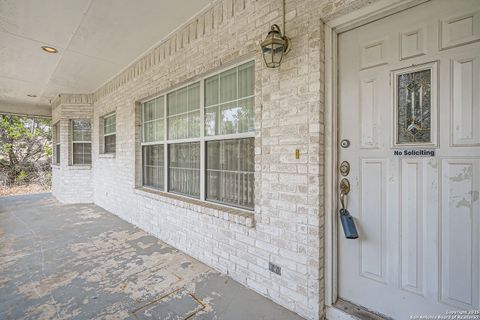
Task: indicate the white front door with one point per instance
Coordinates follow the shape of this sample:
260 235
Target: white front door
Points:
409 85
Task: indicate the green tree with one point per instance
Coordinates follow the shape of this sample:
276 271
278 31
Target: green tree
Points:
25 148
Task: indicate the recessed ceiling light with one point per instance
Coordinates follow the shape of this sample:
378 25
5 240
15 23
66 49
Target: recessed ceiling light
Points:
32 95
49 49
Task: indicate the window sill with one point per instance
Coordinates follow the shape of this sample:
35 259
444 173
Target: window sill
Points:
55 166
80 167
106 155
235 215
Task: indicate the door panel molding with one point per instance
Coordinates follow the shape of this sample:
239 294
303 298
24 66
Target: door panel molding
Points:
369 119
458 237
373 191
413 216
465 104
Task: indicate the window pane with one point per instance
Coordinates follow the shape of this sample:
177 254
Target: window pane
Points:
172 103
246 160
211 120
211 91
87 148
77 149
178 102
182 101
194 124
246 115
184 168
81 130
158 124
194 97
183 117
229 118
153 166
228 85
230 172
236 113
109 124
87 158
57 133
178 127
149 111
148 132
82 153
246 80
78 159
159 107
57 153
153 122
110 143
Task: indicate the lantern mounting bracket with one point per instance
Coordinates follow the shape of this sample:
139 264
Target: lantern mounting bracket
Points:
276 28
276 44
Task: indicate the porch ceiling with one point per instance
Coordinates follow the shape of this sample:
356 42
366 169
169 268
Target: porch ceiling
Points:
96 39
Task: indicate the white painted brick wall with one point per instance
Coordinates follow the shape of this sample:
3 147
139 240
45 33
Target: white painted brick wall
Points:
287 189
288 116
70 184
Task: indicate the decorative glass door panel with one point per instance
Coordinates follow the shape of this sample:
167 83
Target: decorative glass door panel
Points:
415 105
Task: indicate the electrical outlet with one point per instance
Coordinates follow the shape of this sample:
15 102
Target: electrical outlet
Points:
274 268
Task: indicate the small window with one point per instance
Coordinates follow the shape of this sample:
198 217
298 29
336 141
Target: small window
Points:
414 120
184 168
56 157
109 133
81 142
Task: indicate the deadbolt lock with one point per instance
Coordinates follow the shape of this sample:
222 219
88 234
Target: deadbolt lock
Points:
344 168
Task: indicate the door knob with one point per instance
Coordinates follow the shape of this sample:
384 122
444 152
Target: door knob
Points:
344 186
346 218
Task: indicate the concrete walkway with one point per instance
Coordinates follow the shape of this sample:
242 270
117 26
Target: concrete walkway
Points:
81 262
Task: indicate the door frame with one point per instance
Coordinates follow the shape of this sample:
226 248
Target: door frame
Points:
332 29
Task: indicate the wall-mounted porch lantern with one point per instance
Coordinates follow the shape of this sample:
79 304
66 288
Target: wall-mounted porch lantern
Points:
275 45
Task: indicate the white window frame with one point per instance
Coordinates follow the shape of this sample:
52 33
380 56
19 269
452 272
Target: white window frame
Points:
202 139
81 142
57 144
105 117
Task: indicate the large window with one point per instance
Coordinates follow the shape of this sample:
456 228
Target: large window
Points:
177 142
56 129
81 142
109 133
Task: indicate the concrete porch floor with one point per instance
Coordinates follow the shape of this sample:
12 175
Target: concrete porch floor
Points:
81 262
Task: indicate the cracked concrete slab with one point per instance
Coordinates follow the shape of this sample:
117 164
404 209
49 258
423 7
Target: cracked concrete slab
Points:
81 262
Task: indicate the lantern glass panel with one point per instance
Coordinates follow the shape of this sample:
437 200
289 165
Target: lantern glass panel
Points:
278 50
267 55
